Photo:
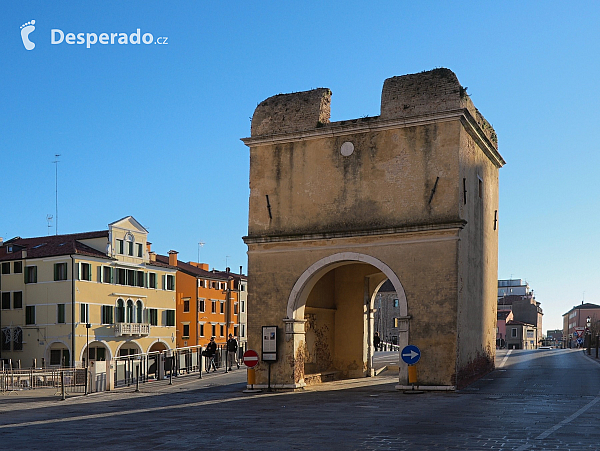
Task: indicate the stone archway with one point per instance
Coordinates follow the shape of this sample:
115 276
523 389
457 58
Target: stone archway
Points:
330 316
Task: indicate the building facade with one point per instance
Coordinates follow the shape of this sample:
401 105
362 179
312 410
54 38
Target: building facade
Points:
53 286
517 296
520 335
575 321
208 302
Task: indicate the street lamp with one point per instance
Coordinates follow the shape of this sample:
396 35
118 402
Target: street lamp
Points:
588 333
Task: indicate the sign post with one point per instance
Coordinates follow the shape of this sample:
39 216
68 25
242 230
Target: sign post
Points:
269 348
411 355
250 358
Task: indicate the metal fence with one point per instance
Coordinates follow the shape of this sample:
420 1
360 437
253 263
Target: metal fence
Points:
17 380
126 371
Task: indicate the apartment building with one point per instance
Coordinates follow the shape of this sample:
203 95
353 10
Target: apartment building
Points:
63 294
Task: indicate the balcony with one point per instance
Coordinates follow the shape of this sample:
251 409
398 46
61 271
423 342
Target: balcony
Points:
131 329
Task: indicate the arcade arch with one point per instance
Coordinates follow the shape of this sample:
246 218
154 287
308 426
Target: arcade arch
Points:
334 300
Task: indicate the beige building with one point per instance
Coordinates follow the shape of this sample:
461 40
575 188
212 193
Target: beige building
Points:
52 286
336 209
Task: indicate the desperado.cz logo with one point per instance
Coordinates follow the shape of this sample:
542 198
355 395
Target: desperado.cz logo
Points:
58 36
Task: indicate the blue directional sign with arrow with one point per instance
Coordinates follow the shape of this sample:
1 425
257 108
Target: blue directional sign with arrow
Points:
410 354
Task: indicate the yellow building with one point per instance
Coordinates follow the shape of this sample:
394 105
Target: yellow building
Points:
53 286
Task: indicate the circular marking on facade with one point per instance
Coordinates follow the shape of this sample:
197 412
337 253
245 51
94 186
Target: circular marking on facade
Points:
347 149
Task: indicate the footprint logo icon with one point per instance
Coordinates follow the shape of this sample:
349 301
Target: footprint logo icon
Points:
26 29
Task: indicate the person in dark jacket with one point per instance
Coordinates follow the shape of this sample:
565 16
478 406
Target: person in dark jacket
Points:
377 341
232 347
211 352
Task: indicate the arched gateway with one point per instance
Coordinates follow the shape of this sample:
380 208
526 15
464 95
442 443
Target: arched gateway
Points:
336 209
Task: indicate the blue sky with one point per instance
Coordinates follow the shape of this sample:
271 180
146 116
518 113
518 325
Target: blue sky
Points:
154 130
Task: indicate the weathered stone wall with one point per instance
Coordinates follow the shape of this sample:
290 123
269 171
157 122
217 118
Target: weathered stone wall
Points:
286 113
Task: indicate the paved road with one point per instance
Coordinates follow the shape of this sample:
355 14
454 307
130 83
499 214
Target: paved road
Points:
534 400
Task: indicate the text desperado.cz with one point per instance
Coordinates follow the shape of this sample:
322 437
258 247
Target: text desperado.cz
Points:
58 36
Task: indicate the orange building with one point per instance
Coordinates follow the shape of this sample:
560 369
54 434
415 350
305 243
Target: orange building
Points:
207 302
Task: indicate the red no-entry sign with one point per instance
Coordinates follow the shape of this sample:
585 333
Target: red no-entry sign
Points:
250 358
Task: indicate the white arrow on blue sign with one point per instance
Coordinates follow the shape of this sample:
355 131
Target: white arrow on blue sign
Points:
410 354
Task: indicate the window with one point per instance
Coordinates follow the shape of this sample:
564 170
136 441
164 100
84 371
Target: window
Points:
17 339
18 299
30 314
31 274
153 316
130 248
139 275
107 274
202 330
214 330
201 283
513 332
395 322
60 314
6 268
396 303
18 267
221 329
186 305
6 300
120 311
235 309
213 307
139 310
243 287
120 248
85 271
243 306
222 307
84 313
6 338
201 305
186 331
107 314
139 249
129 318
170 282
60 271
243 334
131 277
235 331
170 318
151 280
120 276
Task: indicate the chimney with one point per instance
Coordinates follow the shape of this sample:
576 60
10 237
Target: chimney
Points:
203 266
173 258
148 246
241 273
228 269
152 256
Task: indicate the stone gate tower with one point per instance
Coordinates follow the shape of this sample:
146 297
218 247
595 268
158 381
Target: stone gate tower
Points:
338 208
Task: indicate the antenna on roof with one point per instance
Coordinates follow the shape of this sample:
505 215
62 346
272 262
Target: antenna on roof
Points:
56 191
200 244
49 220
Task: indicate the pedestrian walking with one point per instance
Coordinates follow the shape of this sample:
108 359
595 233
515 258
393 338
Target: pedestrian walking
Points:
211 352
232 347
377 341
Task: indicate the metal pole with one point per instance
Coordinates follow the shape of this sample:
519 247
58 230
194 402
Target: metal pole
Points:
597 336
137 378
62 384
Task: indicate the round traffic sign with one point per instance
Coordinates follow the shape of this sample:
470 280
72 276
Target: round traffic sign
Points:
250 358
410 354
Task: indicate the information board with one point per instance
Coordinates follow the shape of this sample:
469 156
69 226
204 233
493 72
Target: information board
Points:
269 343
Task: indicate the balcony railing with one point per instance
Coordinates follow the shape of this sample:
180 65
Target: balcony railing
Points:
131 329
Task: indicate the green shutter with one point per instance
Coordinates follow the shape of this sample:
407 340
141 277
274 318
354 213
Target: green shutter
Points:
55 271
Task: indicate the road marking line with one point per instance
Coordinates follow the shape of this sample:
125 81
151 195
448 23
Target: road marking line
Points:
505 358
567 420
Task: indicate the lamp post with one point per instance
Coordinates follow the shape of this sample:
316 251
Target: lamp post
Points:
87 356
588 334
